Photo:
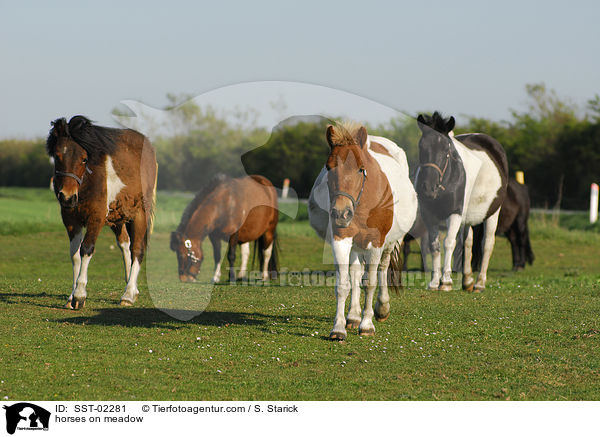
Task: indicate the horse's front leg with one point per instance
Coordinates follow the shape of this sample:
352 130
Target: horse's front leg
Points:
231 256
436 260
75 239
86 252
373 258
491 223
245 255
341 256
356 272
382 306
454 222
216 244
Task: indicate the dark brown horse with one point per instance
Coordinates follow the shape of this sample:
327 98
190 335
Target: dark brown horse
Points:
103 176
234 210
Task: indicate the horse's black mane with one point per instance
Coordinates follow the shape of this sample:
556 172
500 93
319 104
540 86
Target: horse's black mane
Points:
436 121
217 180
97 141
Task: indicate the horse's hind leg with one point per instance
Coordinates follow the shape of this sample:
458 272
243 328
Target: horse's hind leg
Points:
467 280
382 306
491 224
75 238
137 232
124 242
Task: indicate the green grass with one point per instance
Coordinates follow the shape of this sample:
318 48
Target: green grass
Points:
532 335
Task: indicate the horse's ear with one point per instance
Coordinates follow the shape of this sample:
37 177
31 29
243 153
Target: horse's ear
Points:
450 124
174 241
422 121
59 127
361 136
329 134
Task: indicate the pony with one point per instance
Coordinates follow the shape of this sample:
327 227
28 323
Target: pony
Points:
237 211
362 203
103 176
461 179
513 223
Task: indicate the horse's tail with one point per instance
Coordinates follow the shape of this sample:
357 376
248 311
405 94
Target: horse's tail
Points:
394 272
152 209
273 266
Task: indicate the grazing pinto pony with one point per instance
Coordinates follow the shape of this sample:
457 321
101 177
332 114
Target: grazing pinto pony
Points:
362 203
461 180
234 210
512 222
103 176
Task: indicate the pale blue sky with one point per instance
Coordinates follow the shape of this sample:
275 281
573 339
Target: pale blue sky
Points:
473 58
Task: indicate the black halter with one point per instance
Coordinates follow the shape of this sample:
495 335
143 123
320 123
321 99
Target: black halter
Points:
73 175
356 202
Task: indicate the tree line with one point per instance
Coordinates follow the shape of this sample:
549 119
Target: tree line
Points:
555 143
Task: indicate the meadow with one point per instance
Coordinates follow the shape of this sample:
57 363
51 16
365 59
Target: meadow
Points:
531 335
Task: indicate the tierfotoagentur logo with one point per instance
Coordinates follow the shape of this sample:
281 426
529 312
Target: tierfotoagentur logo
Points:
26 417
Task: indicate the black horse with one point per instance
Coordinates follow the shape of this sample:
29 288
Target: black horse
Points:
461 180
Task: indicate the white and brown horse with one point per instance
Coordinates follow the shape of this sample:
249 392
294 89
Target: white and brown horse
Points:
363 203
234 210
103 176
461 179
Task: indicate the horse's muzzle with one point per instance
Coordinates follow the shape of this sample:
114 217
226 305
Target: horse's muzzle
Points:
67 202
343 218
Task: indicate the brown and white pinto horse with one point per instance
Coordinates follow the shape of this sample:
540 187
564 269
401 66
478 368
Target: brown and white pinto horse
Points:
103 176
234 210
363 203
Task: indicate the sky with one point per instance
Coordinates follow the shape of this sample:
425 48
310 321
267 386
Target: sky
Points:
464 58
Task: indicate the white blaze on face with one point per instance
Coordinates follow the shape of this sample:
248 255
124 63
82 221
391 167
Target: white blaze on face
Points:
114 184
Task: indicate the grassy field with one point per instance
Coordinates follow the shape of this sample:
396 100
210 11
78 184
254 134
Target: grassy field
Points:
532 335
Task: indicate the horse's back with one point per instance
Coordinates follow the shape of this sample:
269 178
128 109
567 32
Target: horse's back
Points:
478 141
395 167
486 167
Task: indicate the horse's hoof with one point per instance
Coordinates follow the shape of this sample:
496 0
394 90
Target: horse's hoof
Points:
478 288
380 318
468 287
125 303
369 332
446 286
77 304
69 305
337 336
352 324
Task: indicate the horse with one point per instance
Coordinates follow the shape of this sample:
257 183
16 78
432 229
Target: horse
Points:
237 211
461 179
513 223
362 203
103 176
